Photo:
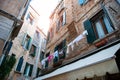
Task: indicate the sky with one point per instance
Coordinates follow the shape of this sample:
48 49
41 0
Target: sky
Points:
44 8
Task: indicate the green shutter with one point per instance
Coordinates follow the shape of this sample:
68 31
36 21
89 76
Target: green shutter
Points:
29 44
31 68
91 35
23 41
25 68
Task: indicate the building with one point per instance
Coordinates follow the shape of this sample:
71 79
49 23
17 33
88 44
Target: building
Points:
26 48
11 13
83 41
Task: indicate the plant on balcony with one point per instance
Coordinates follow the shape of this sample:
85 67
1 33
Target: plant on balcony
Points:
7 66
101 43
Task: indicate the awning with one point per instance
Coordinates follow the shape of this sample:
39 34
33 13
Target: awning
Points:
101 56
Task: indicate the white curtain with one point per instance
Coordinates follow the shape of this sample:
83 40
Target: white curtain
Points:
99 28
107 24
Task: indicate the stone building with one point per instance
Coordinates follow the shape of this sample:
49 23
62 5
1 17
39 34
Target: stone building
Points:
83 41
11 20
27 48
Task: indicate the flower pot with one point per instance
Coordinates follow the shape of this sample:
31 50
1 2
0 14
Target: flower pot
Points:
101 43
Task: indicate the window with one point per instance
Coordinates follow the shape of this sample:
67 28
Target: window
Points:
48 37
47 54
26 43
28 69
61 21
30 18
33 50
82 2
42 56
98 26
38 34
60 46
19 66
118 1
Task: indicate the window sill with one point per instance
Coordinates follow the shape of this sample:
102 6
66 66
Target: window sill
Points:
101 42
18 72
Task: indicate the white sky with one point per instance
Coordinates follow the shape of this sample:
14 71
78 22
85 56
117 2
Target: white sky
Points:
44 7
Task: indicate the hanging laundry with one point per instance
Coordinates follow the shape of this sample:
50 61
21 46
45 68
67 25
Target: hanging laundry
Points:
50 57
56 54
43 63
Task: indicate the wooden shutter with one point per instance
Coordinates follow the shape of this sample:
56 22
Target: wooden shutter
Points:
29 44
106 14
25 68
64 18
31 68
9 46
91 35
23 41
19 64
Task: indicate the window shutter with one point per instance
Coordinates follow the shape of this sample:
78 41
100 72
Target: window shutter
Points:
29 43
23 41
35 50
27 17
81 2
64 18
9 46
25 68
31 68
106 14
19 64
91 35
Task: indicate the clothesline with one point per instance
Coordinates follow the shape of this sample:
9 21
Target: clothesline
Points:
81 36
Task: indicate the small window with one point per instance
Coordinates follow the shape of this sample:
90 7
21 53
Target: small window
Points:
26 42
33 50
61 21
28 69
118 1
82 2
38 34
30 18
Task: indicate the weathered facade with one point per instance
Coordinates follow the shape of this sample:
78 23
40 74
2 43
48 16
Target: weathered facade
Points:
11 13
27 48
83 41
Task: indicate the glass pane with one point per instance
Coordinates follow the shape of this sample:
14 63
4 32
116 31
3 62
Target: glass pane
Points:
107 24
99 29
118 1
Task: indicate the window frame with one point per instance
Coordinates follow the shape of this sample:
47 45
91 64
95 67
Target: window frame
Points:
100 17
33 51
